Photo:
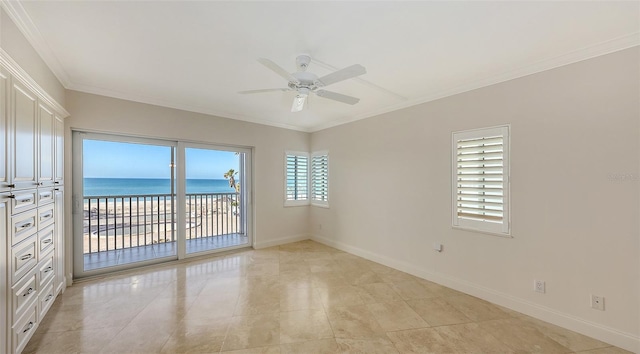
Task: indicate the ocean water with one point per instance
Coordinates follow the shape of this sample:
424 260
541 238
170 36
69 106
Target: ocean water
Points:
145 186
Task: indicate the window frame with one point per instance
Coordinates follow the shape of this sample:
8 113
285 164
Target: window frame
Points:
502 228
296 202
312 196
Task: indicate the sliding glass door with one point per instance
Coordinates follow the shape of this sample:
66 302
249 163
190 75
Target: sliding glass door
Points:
141 201
214 198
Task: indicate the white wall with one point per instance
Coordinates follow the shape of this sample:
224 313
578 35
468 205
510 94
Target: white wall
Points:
574 132
13 42
274 224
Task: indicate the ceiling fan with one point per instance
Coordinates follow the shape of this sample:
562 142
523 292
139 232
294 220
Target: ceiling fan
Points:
304 82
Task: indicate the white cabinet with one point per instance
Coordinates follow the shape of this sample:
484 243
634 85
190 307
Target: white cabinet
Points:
24 135
59 238
4 288
58 173
46 145
31 207
4 131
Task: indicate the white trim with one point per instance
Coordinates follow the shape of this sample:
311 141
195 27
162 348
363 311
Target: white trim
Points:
24 78
25 24
183 107
17 13
280 241
592 51
625 340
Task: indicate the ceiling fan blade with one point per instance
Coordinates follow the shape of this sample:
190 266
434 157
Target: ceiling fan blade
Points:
278 70
298 103
343 74
264 90
337 97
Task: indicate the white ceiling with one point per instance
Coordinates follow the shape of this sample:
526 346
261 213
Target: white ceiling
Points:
197 55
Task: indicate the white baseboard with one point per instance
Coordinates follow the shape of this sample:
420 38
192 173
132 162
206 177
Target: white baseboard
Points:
280 241
606 334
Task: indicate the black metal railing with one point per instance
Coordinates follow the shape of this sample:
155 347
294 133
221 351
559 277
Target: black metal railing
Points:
125 221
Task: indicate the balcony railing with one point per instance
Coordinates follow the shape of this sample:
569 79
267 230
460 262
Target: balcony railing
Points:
125 221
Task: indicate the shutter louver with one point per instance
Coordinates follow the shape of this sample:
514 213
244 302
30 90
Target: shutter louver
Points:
480 179
320 178
297 173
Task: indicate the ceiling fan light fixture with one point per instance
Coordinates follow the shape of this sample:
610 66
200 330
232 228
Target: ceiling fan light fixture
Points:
298 102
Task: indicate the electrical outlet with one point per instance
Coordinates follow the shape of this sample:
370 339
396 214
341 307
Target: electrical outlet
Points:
597 302
538 286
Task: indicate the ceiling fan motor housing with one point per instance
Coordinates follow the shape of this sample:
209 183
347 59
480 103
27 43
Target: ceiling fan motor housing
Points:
305 80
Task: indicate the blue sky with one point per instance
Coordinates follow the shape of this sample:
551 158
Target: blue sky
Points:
108 159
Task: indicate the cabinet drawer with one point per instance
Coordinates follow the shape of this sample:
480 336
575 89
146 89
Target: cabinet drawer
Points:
45 300
45 196
45 240
23 258
45 216
24 293
23 226
23 200
24 328
46 270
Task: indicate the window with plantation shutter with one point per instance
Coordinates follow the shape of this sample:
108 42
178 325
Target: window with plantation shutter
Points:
320 178
480 183
296 178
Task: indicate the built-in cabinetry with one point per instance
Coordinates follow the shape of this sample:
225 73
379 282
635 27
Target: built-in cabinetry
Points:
31 207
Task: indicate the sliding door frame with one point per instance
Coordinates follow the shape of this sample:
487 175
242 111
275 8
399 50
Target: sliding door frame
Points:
178 173
245 173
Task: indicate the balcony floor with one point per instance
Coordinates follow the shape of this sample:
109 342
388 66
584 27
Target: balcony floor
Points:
104 259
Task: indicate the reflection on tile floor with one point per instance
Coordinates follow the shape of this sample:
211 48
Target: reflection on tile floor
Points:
302 297
93 261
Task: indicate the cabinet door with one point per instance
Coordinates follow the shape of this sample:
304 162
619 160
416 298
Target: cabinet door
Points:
4 232
59 151
5 153
59 238
46 144
24 136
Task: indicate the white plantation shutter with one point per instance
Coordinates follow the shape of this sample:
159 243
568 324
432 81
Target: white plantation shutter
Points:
297 178
481 179
320 178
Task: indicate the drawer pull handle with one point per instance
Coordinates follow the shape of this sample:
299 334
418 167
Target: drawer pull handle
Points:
45 195
25 200
25 225
57 189
56 182
12 186
39 183
11 196
48 297
48 269
29 326
46 216
29 292
47 241
25 257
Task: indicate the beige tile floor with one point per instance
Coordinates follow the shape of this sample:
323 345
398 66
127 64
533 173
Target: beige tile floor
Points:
302 297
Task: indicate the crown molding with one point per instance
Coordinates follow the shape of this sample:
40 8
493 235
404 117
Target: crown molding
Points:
19 16
21 75
183 107
603 48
